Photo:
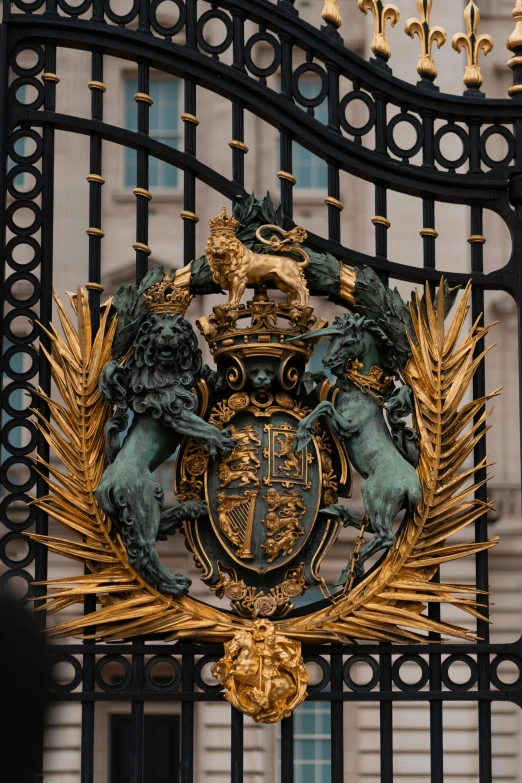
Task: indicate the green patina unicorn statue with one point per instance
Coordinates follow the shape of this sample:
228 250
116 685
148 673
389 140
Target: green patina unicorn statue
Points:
362 358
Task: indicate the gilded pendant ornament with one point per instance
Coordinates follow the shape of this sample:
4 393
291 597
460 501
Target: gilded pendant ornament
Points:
265 449
263 673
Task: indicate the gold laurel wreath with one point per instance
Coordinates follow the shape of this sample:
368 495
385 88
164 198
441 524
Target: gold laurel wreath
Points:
387 605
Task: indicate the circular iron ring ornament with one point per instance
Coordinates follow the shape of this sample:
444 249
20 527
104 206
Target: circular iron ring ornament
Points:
17 525
121 18
416 147
203 20
367 100
27 81
272 41
504 133
33 70
442 160
307 68
385 595
173 29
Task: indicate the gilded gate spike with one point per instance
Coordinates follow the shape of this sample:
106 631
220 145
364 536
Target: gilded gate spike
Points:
381 14
331 13
515 39
514 44
472 44
427 37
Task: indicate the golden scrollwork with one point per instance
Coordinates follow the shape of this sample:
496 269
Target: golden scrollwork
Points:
331 13
427 37
263 673
382 13
472 44
250 602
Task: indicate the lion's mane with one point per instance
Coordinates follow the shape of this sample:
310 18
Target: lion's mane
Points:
225 270
159 389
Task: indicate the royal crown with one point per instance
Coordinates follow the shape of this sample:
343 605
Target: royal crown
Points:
167 297
223 223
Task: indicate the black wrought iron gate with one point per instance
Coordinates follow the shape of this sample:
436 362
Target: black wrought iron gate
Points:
370 152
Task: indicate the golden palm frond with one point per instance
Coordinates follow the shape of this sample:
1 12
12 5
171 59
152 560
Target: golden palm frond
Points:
389 604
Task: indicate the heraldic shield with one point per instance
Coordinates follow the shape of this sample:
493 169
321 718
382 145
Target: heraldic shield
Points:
266 538
263 501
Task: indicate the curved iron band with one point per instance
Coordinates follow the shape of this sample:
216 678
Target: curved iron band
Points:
181 61
505 279
308 38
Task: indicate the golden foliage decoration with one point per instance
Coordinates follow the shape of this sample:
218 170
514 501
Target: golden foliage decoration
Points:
386 606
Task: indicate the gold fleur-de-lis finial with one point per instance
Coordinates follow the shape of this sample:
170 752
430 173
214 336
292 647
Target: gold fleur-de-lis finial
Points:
514 44
331 13
472 45
381 14
427 37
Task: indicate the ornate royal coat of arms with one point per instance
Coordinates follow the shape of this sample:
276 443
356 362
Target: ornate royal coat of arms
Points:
265 449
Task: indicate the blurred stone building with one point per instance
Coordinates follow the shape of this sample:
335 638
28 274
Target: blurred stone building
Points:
411 720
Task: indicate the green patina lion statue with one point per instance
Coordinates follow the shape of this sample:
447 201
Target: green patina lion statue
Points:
156 384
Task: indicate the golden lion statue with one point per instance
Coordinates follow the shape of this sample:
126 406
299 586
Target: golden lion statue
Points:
234 266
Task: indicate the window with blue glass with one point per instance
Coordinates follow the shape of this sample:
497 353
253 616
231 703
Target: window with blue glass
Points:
312 754
310 171
164 126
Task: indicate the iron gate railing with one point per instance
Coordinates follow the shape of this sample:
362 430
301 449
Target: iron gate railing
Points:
369 152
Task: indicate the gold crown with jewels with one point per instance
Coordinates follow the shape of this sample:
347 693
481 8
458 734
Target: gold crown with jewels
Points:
223 223
167 297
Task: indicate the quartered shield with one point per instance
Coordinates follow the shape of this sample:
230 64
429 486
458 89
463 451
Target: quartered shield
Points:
263 528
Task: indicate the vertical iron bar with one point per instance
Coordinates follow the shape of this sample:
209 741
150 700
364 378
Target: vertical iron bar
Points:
386 720
428 233
287 750
481 525
95 193
337 716
380 221
428 151
191 24
238 123
189 179
142 202
285 175
236 747
436 720
137 743
436 716
334 209
3 172
285 139
187 720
